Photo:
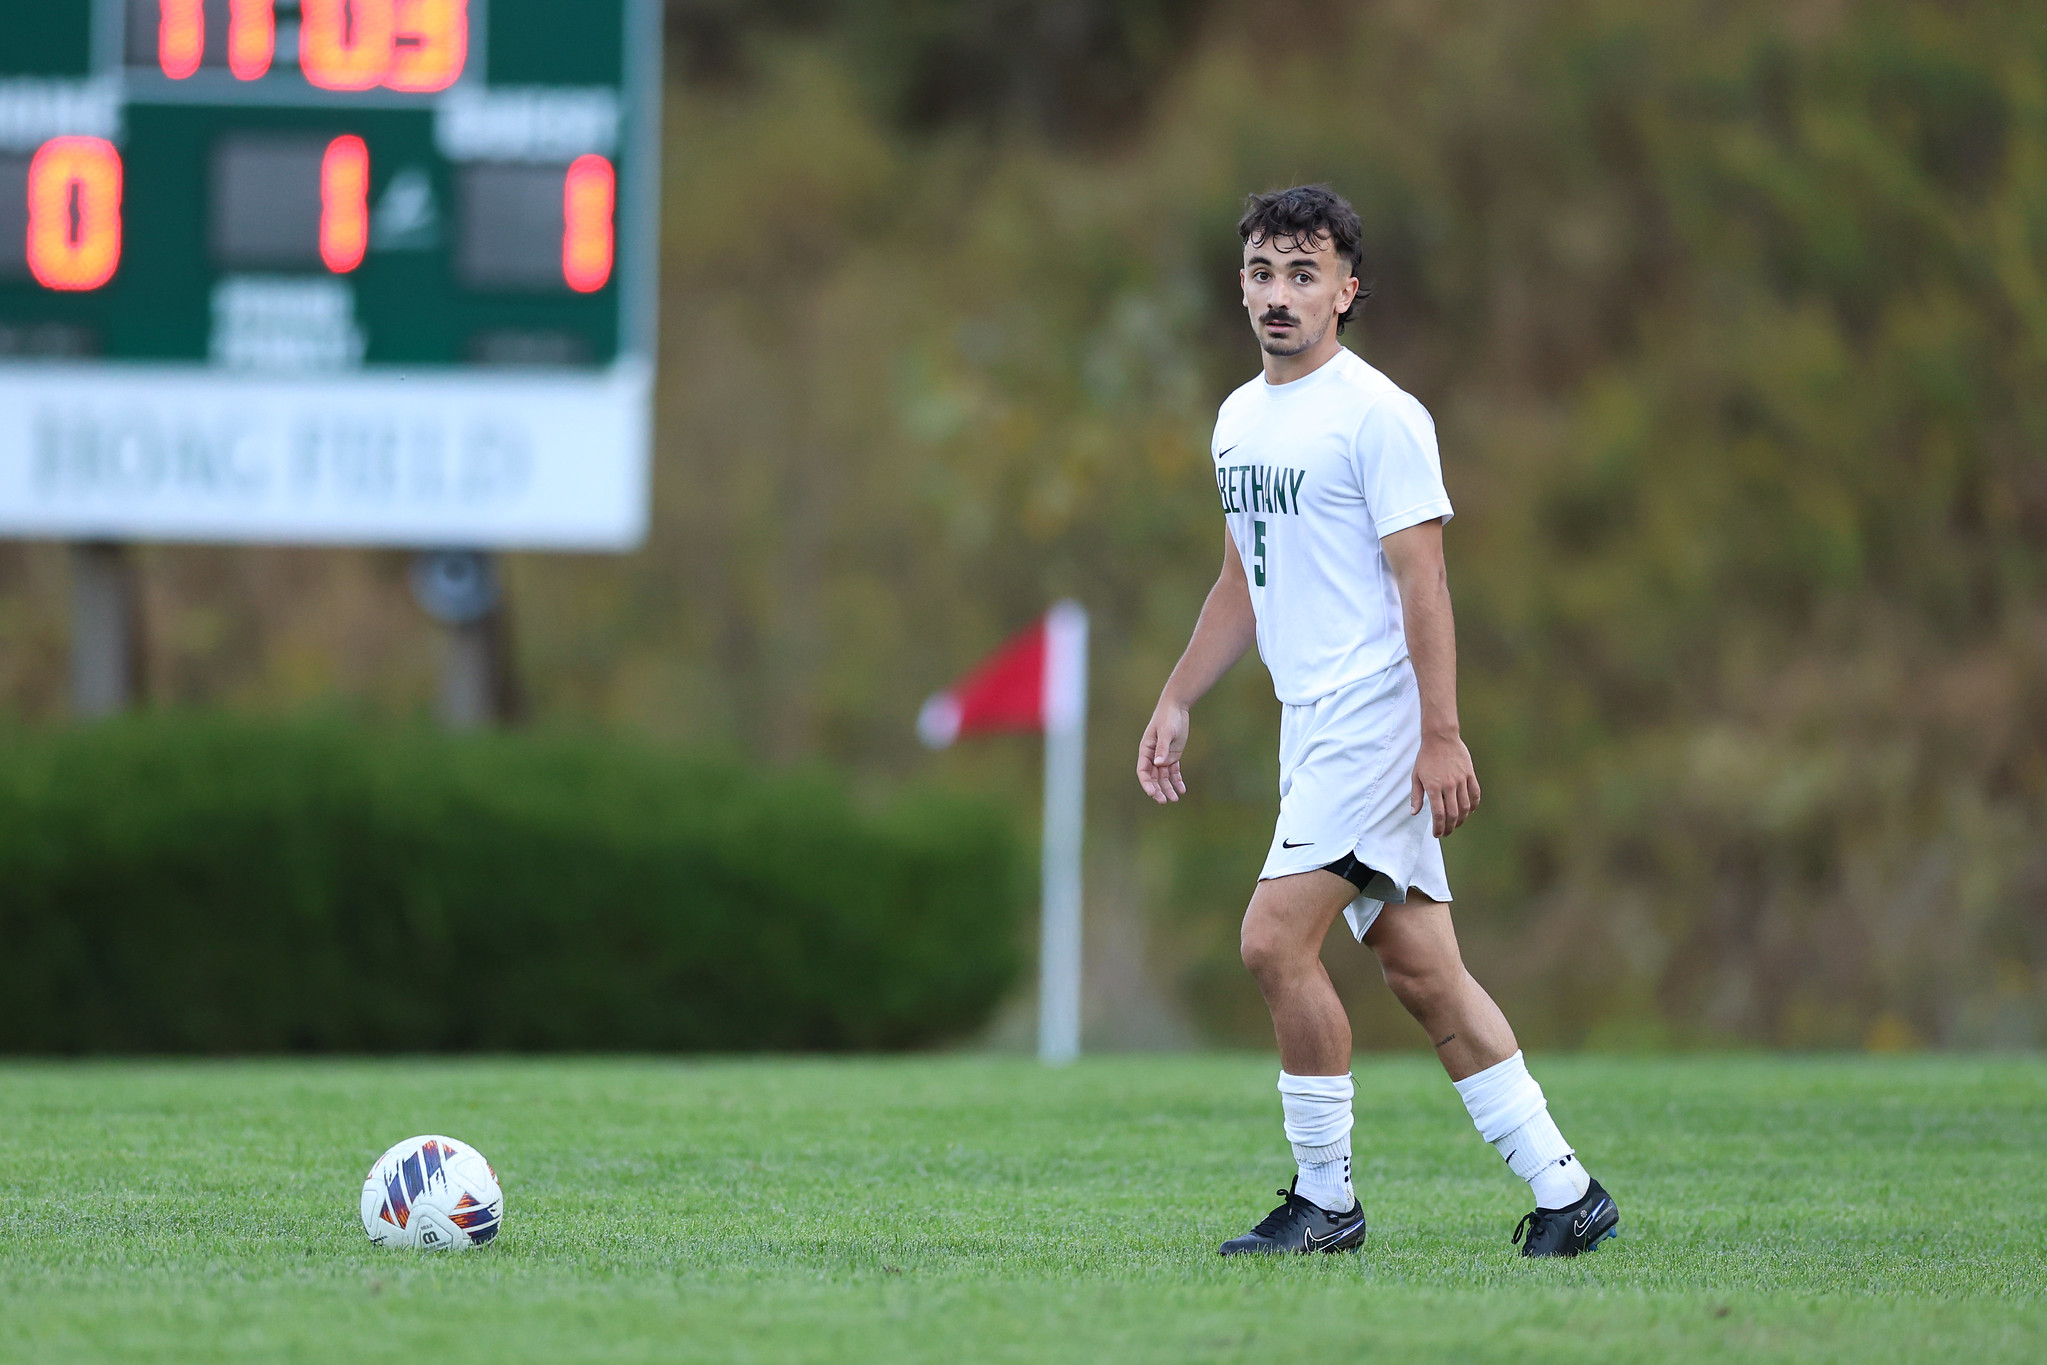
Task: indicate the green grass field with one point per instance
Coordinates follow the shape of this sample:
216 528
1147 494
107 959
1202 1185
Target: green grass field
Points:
962 1209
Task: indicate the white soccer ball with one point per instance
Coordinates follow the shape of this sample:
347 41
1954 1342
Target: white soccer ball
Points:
432 1193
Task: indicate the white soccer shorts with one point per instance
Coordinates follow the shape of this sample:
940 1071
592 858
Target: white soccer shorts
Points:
1346 766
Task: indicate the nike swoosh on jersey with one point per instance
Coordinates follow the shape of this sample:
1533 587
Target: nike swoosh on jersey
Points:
1226 450
1305 843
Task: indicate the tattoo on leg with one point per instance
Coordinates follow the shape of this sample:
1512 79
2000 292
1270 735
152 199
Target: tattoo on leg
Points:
1445 1039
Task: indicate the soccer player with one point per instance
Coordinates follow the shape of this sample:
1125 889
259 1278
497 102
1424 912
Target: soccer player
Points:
1334 505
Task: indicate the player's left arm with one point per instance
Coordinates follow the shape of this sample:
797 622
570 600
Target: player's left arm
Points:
1443 773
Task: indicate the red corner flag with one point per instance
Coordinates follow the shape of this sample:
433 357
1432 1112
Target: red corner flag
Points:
1038 681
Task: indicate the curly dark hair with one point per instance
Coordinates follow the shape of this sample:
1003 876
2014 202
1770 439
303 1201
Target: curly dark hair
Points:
1298 216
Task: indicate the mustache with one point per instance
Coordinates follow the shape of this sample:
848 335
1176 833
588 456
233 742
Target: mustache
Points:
1279 315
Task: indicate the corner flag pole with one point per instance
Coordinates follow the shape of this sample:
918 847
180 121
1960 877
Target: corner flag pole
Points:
1037 680
1065 800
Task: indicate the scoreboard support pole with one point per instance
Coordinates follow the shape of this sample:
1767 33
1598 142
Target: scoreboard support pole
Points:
479 685
468 669
106 629
461 589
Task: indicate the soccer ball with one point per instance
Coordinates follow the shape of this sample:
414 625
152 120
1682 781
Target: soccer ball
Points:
432 1193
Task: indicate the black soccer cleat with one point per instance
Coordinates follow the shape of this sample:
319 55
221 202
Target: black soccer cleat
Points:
1298 1227
1566 1232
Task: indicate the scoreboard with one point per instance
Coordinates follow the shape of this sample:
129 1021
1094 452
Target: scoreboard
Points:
361 271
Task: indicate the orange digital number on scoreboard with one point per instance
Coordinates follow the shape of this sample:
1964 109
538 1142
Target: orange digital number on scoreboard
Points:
344 203
74 213
180 37
432 44
346 44
251 37
589 192
417 45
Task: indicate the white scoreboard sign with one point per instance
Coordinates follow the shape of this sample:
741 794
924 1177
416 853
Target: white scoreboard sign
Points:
543 461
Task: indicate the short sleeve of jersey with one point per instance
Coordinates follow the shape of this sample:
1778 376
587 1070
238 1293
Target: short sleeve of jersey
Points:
1398 468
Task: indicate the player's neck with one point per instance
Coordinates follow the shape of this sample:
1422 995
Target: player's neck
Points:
1285 369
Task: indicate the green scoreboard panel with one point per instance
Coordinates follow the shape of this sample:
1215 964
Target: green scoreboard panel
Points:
367 271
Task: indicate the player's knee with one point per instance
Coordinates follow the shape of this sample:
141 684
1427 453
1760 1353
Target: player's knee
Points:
1419 984
1256 948
1266 953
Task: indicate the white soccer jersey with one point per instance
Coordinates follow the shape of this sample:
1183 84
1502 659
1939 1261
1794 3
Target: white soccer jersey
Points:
1311 474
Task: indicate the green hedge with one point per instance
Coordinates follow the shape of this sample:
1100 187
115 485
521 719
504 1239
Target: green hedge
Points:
202 885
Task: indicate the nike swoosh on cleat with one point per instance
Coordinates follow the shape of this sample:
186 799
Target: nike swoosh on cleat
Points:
1318 1243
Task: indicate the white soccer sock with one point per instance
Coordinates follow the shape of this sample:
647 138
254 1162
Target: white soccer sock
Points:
1318 1124
1508 1108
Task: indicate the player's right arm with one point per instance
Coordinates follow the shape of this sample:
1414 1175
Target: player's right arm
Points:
1226 629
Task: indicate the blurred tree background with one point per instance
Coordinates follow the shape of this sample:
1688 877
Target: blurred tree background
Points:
1733 316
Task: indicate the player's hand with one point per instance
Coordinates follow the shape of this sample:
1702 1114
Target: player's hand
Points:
1158 754
1443 773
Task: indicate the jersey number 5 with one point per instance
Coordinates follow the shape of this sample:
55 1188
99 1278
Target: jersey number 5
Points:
1258 550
